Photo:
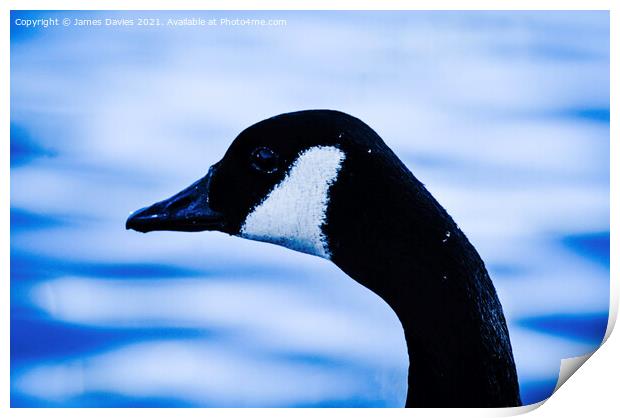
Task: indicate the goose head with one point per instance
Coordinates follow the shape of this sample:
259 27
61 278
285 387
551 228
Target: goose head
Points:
275 183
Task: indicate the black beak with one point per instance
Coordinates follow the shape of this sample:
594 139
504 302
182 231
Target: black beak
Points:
188 210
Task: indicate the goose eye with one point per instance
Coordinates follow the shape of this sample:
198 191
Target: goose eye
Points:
264 159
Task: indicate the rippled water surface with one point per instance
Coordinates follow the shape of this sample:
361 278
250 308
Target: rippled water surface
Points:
504 117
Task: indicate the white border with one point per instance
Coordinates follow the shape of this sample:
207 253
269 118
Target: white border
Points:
310 5
592 392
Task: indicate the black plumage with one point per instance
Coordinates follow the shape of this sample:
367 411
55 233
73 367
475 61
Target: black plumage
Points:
384 230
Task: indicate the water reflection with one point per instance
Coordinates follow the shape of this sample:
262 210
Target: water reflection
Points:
504 116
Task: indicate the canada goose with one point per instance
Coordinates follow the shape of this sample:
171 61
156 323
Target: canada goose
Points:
324 183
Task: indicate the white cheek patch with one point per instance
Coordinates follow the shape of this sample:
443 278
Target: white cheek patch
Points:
293 213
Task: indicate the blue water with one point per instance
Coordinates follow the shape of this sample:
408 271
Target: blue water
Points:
504 116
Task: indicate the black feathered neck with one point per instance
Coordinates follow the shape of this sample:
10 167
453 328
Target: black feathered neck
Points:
387 232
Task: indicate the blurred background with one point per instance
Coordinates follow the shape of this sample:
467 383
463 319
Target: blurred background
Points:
504 116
